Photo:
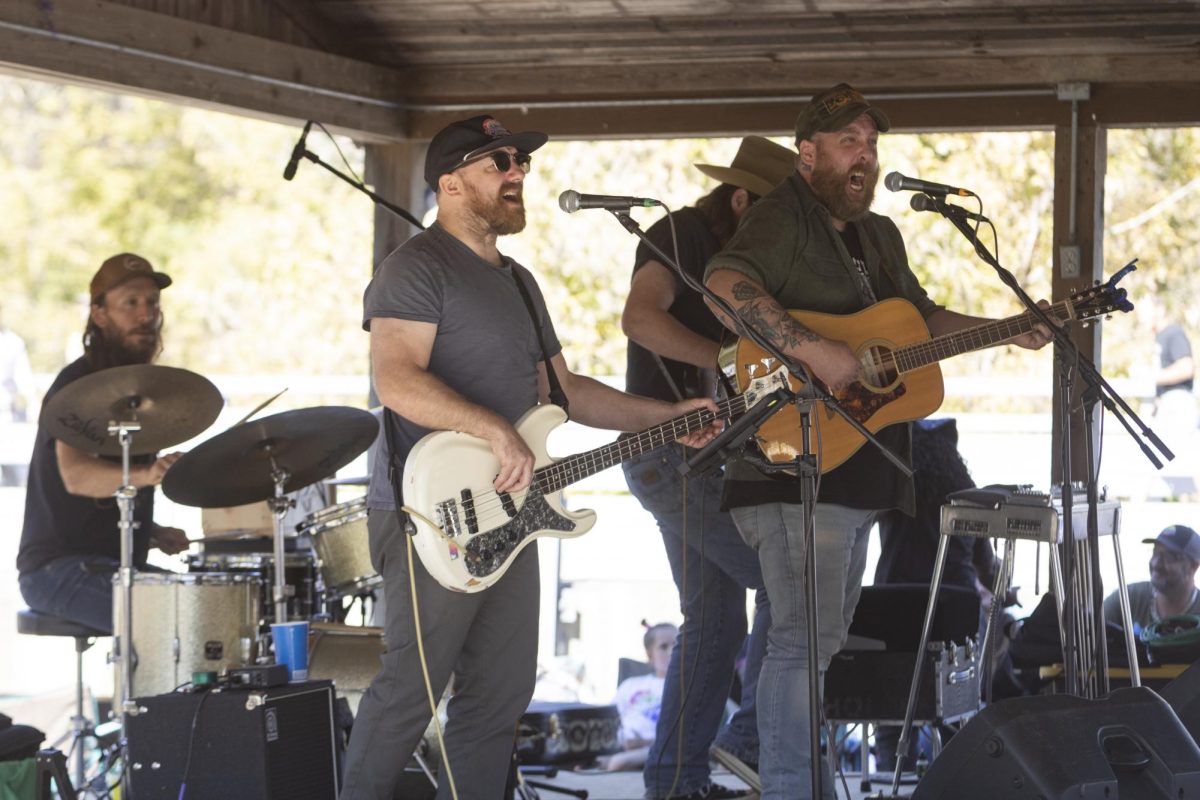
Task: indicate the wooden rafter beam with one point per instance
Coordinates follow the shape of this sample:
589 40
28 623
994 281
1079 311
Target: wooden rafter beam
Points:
120 48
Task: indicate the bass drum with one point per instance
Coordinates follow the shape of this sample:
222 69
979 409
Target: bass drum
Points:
185 623
349 656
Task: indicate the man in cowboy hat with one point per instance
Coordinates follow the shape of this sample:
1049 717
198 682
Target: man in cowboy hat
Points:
1171 590
673 342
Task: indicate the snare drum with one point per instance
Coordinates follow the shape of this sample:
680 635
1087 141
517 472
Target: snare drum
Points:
299 575
185 623
339 536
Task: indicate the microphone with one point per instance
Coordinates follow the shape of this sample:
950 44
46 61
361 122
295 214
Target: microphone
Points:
571 201
899 183
298 151
923 202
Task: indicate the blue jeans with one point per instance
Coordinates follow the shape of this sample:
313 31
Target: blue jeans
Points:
776 531
76 587
720 568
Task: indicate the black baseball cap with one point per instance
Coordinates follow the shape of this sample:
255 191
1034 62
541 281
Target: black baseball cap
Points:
462 141
833 109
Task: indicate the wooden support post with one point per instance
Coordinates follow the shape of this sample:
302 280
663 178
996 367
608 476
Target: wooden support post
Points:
396 173
1078 259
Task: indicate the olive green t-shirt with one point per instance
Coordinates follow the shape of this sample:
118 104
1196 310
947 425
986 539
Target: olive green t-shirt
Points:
787 243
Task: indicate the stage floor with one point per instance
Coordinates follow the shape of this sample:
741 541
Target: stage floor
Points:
628 785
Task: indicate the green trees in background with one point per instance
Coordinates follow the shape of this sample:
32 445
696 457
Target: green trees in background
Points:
269 274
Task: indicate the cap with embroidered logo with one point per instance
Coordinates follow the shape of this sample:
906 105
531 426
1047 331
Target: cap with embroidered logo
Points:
121 268
835 108
462 141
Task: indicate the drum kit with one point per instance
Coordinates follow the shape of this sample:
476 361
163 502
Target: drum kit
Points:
215 616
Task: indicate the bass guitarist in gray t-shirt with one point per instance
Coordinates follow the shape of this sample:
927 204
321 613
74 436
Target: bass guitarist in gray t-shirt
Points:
454 347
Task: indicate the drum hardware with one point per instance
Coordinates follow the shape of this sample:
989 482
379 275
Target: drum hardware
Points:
267 458
165 406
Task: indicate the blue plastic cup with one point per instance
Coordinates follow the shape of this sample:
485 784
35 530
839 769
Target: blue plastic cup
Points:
291 648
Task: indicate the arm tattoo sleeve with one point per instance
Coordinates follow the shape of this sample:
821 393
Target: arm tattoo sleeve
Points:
765 315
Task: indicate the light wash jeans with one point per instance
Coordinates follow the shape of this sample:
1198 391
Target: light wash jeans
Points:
720 568
776 531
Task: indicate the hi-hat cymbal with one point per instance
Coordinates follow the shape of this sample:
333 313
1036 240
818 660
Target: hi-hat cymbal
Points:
234 467
171 404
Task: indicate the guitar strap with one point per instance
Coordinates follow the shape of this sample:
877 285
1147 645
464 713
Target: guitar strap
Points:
557 395
882 261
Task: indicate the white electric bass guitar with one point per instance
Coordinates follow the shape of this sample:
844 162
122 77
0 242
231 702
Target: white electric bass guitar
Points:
448 482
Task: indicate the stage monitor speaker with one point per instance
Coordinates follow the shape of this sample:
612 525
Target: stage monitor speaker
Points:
1183 695
265 744
1127 746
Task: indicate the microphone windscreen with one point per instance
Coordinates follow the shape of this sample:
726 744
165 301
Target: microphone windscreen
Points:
568 201
894 181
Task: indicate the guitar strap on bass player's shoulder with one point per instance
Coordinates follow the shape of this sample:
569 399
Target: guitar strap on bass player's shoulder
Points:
557 395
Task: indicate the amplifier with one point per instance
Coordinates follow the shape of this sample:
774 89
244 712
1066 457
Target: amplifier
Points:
873 685
275 743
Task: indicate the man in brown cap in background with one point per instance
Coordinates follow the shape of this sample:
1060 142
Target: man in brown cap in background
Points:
673 343
813 244
70 546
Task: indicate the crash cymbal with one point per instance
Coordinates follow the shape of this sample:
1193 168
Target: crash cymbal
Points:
172 405
234 467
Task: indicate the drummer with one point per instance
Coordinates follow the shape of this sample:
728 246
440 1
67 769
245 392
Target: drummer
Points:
70 546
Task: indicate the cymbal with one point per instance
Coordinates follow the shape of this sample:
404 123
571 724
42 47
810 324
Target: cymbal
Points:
234 467
172 405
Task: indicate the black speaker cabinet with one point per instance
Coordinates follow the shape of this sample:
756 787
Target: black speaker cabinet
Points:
1127 746
1183 695
266 744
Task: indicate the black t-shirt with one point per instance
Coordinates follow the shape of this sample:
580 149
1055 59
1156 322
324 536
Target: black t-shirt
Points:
58 523
697 244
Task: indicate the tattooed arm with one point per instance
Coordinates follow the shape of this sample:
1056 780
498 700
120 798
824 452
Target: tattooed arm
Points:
833 362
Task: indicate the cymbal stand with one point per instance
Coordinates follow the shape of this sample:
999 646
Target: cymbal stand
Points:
279 507
123 638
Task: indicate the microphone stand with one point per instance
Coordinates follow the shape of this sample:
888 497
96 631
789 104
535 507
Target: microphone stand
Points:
1068 359
395 209
804 466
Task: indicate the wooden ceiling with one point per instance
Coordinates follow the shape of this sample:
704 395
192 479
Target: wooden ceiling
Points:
398 69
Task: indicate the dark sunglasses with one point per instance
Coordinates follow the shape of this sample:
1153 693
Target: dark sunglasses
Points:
503 160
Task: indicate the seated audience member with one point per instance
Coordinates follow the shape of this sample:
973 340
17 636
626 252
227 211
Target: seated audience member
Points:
1171 590
639 699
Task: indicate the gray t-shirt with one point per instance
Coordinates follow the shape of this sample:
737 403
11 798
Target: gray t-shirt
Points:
1141 605
486 347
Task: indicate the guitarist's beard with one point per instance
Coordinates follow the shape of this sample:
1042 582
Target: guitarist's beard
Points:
832 188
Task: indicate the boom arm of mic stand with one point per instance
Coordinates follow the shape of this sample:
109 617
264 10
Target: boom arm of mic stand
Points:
395 209
1107 395
811 391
